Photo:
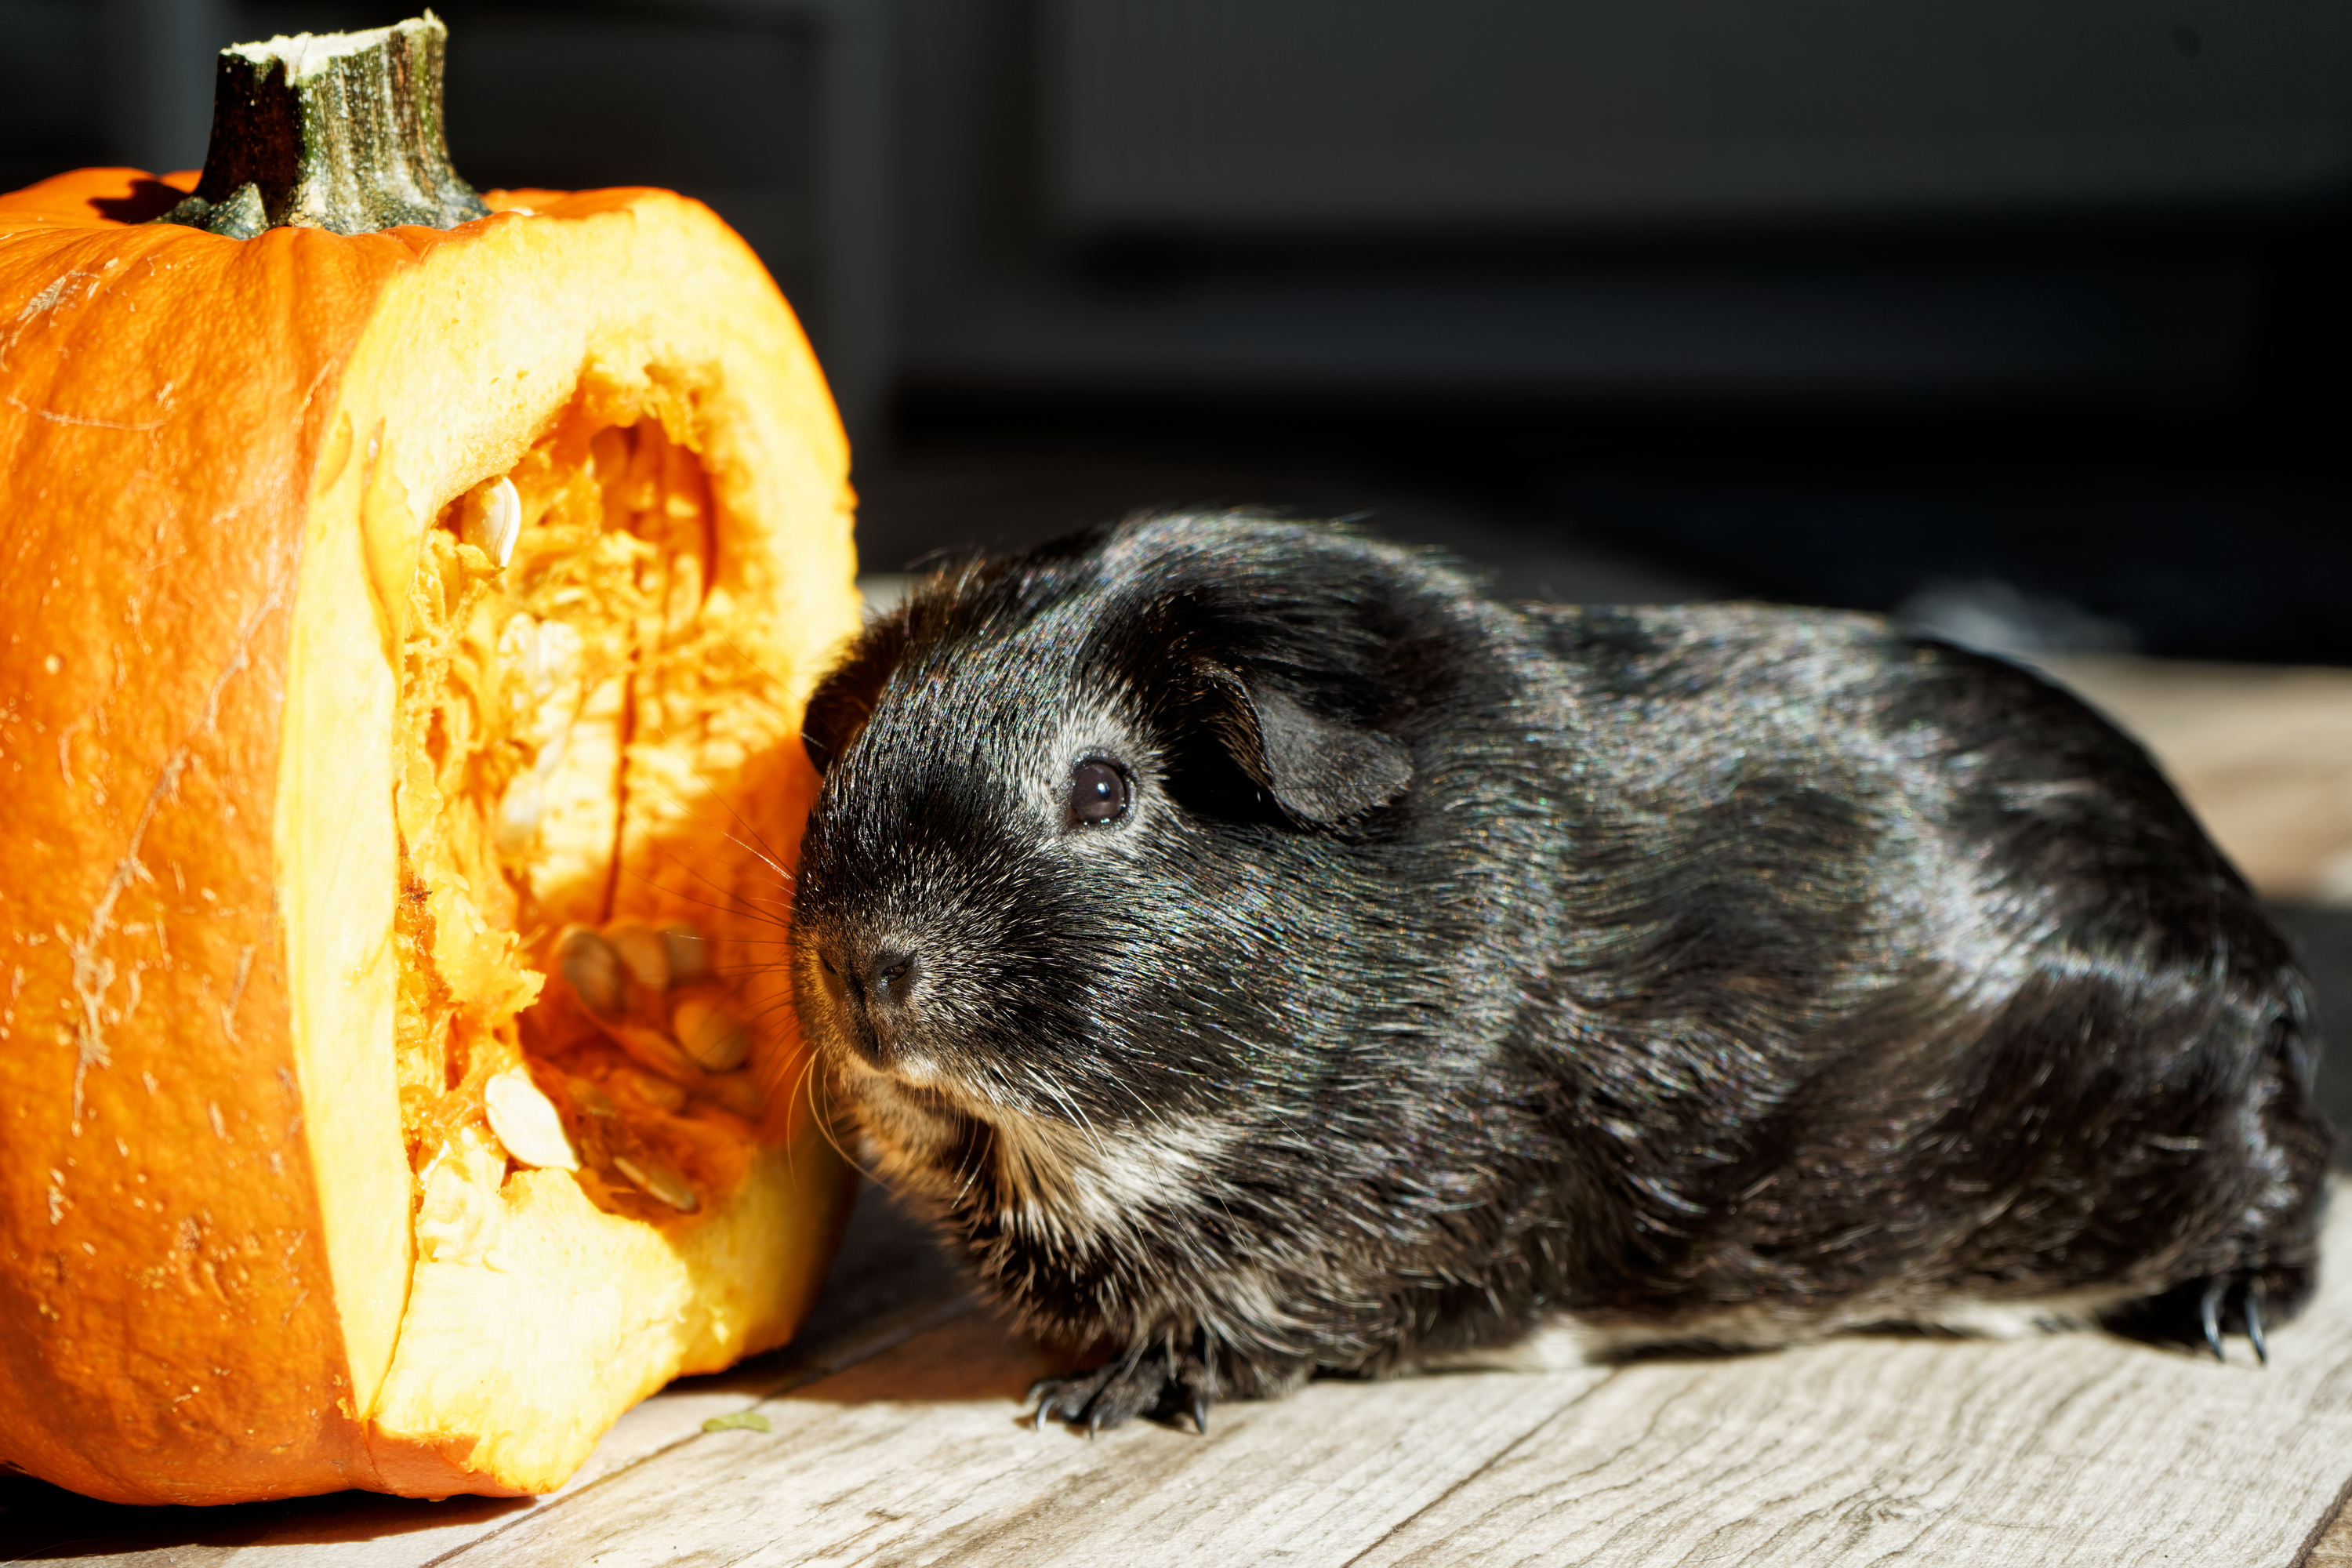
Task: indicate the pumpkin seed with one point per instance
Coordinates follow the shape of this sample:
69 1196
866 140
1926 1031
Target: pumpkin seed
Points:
525 1120
656 1180
650 1047
592 968
689 954
644 954
493 521
652 1089
711 1033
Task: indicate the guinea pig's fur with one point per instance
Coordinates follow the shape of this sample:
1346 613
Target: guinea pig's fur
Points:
1468 982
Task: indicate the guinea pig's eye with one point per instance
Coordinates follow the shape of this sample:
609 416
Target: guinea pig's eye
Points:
1099 793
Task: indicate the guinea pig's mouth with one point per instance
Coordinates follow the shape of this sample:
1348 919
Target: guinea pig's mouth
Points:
872 1008
913 1072
1038 1173
919 1134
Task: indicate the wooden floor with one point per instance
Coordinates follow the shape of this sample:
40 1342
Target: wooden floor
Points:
895 1436
895 1431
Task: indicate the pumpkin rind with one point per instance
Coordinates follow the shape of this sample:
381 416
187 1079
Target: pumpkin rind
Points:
207 1290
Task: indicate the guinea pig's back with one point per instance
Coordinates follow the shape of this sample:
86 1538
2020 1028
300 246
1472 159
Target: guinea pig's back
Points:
1943 756
1970 1007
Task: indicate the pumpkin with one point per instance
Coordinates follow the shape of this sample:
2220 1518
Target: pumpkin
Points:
390 619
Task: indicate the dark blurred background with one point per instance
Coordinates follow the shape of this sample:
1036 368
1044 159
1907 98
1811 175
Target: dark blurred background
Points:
2037 305
2028 319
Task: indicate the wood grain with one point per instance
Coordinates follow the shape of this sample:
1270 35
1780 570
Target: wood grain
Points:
2071 1449
903 1443
921 1456
2333 1546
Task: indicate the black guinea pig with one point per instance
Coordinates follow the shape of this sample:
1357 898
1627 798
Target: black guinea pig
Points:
1264 954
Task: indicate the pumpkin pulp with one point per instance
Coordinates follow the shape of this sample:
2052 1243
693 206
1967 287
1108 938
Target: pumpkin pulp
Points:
553 718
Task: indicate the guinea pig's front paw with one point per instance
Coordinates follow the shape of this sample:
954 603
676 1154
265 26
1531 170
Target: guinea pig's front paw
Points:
1146 1380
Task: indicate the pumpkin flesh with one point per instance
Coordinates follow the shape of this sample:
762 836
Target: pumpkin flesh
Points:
329 802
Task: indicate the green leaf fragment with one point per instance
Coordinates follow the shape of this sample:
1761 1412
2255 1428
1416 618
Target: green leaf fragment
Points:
740 1421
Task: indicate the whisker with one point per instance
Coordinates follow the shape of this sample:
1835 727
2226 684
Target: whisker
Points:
824 1123
735 907
775 862
744 900
749 971
761 1013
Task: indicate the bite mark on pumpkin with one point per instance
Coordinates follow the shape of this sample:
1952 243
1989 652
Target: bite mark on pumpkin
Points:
47 299
237 995
41 304
93 974
84 421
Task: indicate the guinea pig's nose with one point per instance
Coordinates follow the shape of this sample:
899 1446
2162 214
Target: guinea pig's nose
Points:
890 977
871 991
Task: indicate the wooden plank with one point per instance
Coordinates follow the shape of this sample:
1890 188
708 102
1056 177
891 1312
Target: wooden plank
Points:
921 1454
2048 1452
2067 1449
2332 1547
2078 1448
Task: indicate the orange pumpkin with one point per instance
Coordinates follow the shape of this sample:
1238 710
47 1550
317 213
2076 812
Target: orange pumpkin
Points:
374 608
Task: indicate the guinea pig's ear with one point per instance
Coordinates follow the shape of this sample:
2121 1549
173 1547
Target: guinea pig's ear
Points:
1320 771
844 700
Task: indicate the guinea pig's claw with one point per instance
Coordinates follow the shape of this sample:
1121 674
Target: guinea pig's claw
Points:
2221 1292
2209 1310
1073 1399
1046 1394
1149 1379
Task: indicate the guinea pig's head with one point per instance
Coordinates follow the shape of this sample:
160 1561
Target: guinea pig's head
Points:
1096 850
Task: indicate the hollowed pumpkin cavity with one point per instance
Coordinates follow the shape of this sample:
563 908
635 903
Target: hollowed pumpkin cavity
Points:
556 714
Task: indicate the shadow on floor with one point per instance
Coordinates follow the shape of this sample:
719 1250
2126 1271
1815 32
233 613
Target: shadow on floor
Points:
37 1520
974 1358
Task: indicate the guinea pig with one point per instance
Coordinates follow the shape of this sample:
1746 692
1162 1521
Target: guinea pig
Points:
1264 954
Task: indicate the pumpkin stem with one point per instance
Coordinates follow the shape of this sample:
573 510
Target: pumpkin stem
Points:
334 130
